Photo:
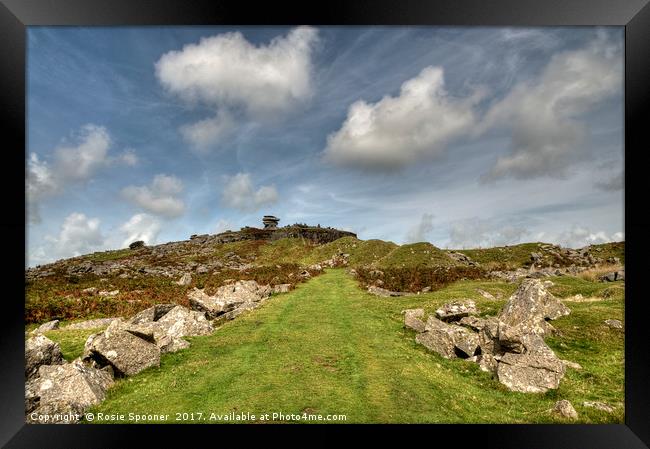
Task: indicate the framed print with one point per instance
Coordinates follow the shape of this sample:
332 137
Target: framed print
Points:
343 214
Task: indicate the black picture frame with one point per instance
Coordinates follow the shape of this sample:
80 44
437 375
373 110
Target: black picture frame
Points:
634 15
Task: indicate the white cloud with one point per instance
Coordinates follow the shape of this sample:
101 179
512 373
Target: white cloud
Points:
421 230
206 132
547 134
80 162
397 131
579 236
478 233
228 72
143 227
129 158
78 235
71 163
40 183
239 193
159 198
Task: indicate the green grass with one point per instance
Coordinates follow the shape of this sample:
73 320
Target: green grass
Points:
110 255
71 341
330 348
514 256
421 254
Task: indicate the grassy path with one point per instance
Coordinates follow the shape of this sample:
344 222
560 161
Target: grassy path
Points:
330 348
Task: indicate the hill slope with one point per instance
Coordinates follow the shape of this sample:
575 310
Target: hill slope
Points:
329 348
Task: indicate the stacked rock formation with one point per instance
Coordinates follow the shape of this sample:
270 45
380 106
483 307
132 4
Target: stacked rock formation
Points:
510 345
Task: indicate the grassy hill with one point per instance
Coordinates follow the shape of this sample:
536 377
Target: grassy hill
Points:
330 348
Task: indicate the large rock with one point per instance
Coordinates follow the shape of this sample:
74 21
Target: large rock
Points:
69 388
125 351
151 314
456 310
91 324
449 341
182 322
529 373
532 302
228 298
40 350
46 327
526 313
413 319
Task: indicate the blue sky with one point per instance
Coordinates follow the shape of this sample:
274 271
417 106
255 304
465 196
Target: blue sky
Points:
463 137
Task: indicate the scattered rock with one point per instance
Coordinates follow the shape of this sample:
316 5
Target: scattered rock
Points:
39 351
182 322
599 406
448 340
413 319
45 327
151 314
91 324
378 291
185 280
241 294
66 389
527 310
109 293
613 276
126 352
89 291
456 310
486 295
530 373
281 288
565 409
614 324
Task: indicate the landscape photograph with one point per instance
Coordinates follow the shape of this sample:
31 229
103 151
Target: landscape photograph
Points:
324 225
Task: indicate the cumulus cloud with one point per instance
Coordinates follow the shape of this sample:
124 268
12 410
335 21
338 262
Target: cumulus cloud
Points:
477 233
81 161
419 232
240 193
143 227
160 197
79 235
397 131
227 71
544 113
129 158
72 162
580 236
40 183
203 134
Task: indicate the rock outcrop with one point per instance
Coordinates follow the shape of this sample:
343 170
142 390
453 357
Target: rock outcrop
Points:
510 345
39 351
229 299
60 391
127 351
